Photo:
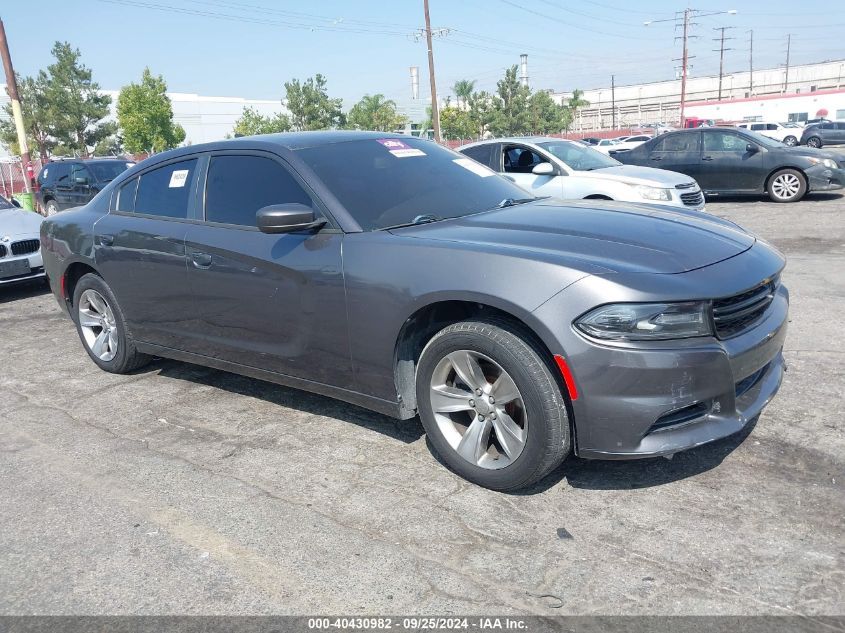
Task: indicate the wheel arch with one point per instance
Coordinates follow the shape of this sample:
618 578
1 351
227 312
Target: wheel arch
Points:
419 328
597 196
775 170
71 276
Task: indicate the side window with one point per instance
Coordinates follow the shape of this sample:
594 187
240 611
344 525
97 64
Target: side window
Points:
520 160
840 126
723 142
166 191
126 196
238 186
481 153
826 126
61 174
772 126
756 127
677 143
78 172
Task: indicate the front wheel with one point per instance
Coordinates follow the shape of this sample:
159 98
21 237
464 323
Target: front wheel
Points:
787 185
814 141
102 328
491 406
791 141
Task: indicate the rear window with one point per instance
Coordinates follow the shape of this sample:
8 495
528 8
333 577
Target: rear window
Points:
482 153
166 191
677 143
106 171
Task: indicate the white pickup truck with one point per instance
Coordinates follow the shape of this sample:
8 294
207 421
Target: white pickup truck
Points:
786 135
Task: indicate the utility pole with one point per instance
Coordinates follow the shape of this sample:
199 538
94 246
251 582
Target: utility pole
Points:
12 89
613 101
722 50
786 76
435 110
751 63
685 59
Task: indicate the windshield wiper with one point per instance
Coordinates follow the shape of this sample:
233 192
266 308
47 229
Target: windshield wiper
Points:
425 218
511 202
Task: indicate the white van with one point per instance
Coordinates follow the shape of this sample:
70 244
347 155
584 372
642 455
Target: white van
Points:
786 135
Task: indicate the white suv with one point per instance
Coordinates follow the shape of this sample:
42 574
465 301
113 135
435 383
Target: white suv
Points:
786 135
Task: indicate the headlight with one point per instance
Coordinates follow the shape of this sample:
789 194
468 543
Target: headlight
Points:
653 193
827 162
647 321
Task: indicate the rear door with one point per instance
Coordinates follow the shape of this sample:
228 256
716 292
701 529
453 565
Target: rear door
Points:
839 132
727 166
62 185
271 301
140 250
676 152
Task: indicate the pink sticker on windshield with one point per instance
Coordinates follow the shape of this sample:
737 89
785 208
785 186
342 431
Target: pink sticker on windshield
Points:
400 149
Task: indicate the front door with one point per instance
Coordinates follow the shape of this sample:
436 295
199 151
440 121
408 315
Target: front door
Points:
518 163
271 301
676 152
81 182
727 165
140 250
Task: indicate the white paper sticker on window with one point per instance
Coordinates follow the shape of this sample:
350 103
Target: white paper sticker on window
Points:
477 168
178 178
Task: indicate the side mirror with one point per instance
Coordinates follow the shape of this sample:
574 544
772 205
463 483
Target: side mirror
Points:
543 169
751 148
81 180
287 218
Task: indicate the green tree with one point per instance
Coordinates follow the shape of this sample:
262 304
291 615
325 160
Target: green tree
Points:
511 107
311 107
35 119
374 112
75 108
576 101
547 116
463 89
456 123
482 111
145 116
253 122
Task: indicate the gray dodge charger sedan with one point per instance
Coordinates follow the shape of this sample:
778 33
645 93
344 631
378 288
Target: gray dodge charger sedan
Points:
395 274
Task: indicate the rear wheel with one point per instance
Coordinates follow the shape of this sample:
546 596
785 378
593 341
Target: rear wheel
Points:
814 141
490 405
787 185
102 328
791 141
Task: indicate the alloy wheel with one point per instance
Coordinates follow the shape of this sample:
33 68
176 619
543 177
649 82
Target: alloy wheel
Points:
813 142
478 409
96 321
786 186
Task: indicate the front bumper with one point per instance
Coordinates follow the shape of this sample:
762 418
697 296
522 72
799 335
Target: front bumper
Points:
36 268
822 178
638 400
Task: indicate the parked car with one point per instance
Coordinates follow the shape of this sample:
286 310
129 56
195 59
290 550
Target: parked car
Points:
20 248
67 183
776 131
624 143
821 134
605 145
590 140
396 274
569 170
740 162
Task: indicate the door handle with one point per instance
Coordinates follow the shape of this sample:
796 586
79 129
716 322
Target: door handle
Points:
656 158
200 259
106 240
706 158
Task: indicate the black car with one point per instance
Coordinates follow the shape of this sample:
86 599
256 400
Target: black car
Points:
821 134
739 162
590 140
63 184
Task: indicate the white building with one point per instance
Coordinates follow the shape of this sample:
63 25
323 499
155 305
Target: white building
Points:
204 118
659 102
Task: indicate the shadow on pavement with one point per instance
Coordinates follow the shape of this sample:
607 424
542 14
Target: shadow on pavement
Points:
406 431
23 290
819 196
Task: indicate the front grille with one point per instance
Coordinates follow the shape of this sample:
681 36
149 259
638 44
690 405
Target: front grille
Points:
25 247
733 314
2 250
685 185
692 199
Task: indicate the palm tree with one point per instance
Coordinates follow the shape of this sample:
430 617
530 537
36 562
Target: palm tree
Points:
463 88
576 101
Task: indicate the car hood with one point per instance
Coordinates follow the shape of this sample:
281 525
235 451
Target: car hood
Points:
634 175
595 236
808 151
15 222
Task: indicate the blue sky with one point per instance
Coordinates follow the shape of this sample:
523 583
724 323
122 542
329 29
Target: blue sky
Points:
249 48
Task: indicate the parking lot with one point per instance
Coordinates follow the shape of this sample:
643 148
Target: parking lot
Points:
181 489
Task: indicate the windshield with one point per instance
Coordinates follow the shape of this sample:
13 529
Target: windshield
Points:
105 171
579 157
765 141
389 182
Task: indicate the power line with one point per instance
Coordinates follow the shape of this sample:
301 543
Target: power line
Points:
722 50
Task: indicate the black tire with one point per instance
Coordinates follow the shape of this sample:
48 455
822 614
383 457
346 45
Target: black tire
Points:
127 358
791 141
814 141
547 441
51 208
789 175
